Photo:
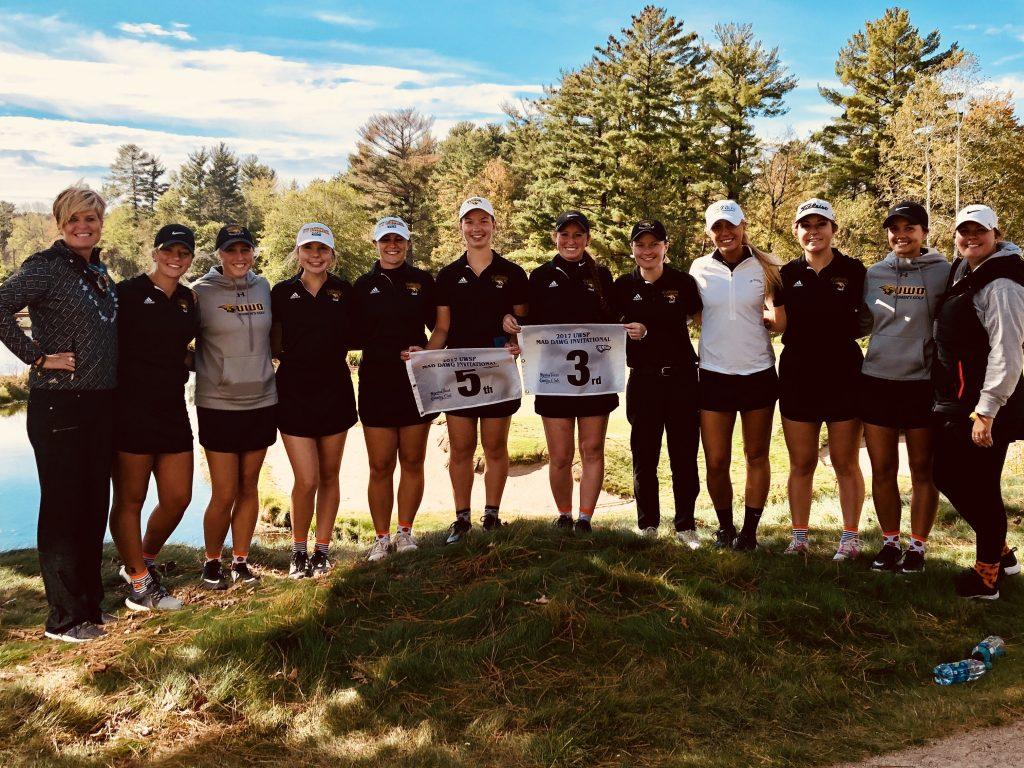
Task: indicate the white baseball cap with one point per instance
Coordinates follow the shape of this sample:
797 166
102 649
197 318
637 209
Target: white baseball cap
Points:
315 233
981 214
391 225
814 206
476 204
729 210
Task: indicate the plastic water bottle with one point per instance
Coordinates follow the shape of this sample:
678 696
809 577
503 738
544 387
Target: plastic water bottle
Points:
988 650
959 671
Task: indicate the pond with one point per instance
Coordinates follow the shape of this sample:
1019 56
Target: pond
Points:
19 485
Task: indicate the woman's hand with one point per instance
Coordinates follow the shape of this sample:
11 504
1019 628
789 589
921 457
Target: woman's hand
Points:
61 361
981 433
406 352
510 325
513 347
635 331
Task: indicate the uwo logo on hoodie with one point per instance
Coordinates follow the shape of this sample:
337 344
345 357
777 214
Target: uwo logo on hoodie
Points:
243 309
904 291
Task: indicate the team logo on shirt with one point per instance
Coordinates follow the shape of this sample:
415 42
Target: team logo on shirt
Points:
798 284
671 295
638 297
183 306
904 291
553 284
839 283
334 294
243 309
499 280
295 296
375 290
589 283
415 288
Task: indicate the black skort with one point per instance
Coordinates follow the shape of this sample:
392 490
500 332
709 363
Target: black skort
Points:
237 431
150 428
817 389
385 397
896 404
305 410
731 393
575 406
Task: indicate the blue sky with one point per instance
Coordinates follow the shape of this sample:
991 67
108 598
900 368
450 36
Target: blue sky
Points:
292 82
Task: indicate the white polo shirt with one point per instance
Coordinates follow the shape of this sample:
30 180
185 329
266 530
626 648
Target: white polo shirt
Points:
733 339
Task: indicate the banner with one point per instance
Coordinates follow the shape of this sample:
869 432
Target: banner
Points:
573 359
452 379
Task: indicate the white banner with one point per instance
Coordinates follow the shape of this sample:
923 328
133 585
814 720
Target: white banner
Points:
452 379
573 359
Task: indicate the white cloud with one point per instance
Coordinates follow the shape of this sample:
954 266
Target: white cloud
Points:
343 20
90 92
155 30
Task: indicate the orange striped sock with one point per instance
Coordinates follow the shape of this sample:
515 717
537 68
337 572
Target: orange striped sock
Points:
989 572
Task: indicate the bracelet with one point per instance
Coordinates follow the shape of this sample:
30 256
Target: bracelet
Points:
40 361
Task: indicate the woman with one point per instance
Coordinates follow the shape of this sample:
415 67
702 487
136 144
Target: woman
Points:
741 291
901 292
819 370
235 399
158 320
394 301
573 288
979 393
73 353
312 325
474 293
661 396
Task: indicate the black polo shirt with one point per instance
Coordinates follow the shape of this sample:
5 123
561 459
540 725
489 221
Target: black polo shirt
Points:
479 302
315 330
663 307
391 309
154 331
822 307
566 292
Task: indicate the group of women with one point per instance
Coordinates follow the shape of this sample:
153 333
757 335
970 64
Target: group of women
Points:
110 363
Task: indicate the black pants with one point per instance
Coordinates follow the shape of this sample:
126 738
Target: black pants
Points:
656 404
969 477
72 436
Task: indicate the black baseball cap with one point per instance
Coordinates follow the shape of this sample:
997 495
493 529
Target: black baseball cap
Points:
913 212
175 233
572 217
649 226
234 233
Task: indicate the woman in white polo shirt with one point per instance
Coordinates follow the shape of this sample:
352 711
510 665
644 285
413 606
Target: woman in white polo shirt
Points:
740 289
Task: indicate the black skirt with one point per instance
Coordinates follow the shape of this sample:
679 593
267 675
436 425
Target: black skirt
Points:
575 406
819 389
492 411
237 431
896 404
385 397
151 427
732 393
309 409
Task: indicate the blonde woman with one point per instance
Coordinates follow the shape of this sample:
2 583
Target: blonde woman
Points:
741 293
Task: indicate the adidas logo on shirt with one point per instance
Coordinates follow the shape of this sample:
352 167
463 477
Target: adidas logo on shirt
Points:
375 290
296 295
798 284
553 284
638 297
149 301
463 280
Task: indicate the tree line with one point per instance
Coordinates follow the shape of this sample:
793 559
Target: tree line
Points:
658 123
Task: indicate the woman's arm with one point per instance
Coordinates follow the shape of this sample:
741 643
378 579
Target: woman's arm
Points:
775 319
28 285
1001 304
439 336
276 338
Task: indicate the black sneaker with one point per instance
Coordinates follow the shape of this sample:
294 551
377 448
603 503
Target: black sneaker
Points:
299 569
724 537
80 633
492 523
241 572
969 585
913 562
888 558
1008 563
582 526
745 542
213 575
319 564
563 522
457 530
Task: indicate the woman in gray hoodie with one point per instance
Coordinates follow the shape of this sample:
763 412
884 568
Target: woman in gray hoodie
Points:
901 293
235 398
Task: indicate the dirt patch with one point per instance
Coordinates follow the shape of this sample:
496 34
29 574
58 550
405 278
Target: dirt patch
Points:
989 747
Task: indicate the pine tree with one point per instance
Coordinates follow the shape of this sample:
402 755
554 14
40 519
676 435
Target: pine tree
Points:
134 180
224 200
747 81
877 66
189 190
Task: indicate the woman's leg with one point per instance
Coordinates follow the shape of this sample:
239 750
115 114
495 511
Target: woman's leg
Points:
844 449
559 434
382 453
304 458
757 436
461 451
592 431
716 429
173 472
247 503
131 481
330 450
494 439
924 499
802 444
412 450
883 450
223 490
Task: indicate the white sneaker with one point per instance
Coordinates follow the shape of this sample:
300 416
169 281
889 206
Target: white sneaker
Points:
848 550
379 550
405 542
688 538
797 548
649 533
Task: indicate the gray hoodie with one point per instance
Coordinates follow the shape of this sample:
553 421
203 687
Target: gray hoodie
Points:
233 368
901 296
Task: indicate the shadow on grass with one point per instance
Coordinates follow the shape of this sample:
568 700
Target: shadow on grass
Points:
535 648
